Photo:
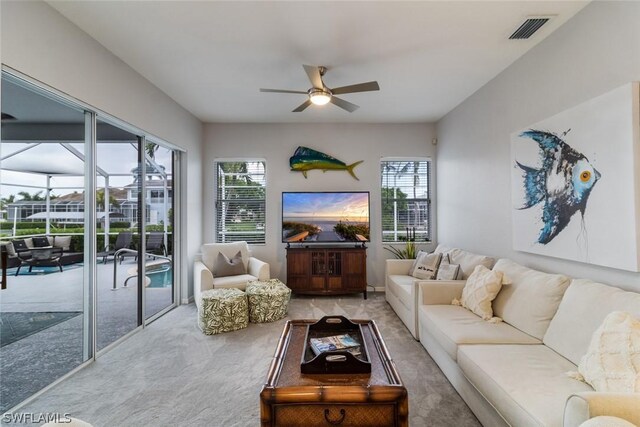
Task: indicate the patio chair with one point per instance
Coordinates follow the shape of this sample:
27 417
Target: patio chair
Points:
155 243
123 240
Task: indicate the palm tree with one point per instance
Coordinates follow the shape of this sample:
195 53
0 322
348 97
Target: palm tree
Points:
150 148
7 201
28 197
100 199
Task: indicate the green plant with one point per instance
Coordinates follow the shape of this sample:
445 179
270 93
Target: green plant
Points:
409 252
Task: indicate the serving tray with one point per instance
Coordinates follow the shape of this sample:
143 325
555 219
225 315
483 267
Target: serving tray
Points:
339 361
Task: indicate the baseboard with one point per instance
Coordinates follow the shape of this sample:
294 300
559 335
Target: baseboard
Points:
186 301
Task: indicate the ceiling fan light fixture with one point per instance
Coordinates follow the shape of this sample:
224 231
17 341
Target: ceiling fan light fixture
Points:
319 96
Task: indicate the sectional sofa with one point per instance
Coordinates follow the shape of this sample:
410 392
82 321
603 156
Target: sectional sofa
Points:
58 241
515 372
401 289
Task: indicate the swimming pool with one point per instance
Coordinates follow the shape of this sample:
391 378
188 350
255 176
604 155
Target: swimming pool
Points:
161 278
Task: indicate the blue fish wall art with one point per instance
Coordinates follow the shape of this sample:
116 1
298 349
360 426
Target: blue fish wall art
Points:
562 184
305 159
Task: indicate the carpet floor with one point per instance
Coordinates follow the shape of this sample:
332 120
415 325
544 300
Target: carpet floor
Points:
170 374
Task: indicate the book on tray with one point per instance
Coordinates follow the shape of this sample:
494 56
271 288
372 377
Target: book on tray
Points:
335 343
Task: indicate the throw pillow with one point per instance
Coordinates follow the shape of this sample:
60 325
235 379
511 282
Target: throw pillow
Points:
448 271
229 267
427 266
481 288
612 362
63 242
415 261
10 250
20 245
40 242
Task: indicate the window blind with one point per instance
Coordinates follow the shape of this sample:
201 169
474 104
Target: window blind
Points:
240 201
406 200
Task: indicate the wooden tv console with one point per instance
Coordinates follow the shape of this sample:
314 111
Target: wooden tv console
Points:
327 270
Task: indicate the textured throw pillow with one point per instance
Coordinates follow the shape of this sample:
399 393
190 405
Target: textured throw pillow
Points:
612 362
40 242
481 288
229 267
426 266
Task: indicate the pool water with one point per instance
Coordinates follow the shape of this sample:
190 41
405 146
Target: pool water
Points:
162 278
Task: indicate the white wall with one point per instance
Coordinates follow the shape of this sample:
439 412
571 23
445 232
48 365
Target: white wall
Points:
347 142
596 51
39 42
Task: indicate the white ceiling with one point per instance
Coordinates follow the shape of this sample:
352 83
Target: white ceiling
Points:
212 57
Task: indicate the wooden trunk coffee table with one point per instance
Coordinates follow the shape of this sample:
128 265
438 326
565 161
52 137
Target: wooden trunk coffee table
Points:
290 398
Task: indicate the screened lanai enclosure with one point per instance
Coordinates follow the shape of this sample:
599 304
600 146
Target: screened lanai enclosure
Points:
87 231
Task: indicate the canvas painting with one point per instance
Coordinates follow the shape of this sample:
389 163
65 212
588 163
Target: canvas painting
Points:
576 182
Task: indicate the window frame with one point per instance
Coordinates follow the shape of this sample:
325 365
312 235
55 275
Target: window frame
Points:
218 235
428 234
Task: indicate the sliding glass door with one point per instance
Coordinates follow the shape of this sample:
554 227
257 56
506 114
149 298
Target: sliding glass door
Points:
159 281
87 232
118 233
45 302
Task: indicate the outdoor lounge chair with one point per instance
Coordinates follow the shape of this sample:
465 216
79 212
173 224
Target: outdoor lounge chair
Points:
123 240
40 257
155 243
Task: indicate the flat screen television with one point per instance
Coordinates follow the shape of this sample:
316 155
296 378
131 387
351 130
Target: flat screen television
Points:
325 217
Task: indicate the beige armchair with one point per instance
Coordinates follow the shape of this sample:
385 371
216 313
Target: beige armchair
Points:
204 273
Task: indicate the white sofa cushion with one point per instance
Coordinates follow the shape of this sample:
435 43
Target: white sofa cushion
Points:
239 281
210 253
468 261
401 287
583 308
452 325
531 300
612 362
527 384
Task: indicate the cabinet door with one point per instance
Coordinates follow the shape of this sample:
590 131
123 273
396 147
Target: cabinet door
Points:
298 269
319 268
355 270
334 270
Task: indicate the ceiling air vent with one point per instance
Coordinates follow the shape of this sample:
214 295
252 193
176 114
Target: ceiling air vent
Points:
528 28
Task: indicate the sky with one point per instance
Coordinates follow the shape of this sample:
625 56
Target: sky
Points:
114 158
353 206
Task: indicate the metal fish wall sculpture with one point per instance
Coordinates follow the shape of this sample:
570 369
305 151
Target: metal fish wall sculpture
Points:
305 159
563 183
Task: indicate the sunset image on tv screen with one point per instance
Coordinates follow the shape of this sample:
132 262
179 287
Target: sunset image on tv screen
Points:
325 217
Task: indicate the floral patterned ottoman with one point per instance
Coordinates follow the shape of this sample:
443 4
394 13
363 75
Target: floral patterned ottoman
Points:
268 300
223 310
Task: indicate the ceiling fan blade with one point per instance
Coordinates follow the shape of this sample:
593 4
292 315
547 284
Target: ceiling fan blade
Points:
302 106
360 87
282 91
314 76
345 105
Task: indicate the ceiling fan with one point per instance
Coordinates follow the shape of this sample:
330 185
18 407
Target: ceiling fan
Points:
320 94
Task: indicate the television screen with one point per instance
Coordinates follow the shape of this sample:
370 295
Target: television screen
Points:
325 217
